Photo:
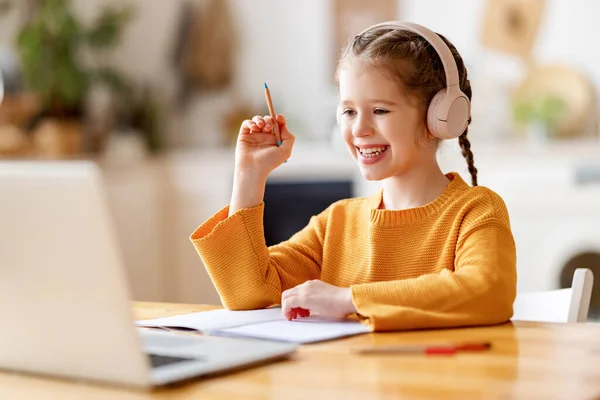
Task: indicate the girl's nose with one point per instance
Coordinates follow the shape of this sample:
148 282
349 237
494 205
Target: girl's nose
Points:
362 128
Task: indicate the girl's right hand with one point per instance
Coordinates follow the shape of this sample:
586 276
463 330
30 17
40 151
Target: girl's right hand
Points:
257 151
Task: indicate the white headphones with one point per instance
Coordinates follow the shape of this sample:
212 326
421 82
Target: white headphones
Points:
449 111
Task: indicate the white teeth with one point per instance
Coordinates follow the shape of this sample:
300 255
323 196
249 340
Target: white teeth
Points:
372 151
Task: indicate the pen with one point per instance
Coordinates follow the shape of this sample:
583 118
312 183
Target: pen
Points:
427 349
273 115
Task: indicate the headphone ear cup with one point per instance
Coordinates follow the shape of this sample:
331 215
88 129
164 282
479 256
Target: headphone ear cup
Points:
457 114
432 122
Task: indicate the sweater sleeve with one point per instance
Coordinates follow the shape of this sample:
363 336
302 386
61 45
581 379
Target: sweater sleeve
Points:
246 273
480 291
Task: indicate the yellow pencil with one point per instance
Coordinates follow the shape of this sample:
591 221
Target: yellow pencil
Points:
273 115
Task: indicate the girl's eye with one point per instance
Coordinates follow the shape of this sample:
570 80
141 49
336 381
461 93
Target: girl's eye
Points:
349 112
380 111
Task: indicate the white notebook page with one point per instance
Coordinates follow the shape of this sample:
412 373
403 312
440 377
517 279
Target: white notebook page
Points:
302 330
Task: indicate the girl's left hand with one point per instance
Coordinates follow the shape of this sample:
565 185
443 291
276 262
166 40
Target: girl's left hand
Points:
327 300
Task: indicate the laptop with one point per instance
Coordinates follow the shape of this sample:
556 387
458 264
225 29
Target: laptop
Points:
64 298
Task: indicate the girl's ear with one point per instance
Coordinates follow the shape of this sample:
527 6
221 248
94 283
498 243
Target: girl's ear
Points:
428 134
430 139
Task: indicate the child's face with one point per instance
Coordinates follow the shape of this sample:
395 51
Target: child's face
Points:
378 124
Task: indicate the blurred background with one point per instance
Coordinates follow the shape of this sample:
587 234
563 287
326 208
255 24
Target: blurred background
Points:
154 92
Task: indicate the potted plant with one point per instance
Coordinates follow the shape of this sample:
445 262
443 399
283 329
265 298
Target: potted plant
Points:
52 43
539 115
138 125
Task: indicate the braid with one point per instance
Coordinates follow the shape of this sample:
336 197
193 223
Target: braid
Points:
465 145
465 86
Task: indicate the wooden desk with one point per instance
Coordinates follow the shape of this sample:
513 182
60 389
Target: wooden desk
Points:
528 360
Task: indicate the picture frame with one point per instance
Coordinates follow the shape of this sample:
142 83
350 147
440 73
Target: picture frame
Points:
511 26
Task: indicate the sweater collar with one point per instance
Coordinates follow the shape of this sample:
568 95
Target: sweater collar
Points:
412 215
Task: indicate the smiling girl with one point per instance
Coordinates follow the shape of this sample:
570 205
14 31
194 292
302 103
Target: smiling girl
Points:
426 251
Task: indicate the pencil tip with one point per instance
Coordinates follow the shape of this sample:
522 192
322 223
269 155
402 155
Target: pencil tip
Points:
266 87
279 143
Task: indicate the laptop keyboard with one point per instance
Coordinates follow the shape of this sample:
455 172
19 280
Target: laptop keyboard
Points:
168 344
157 360
172 341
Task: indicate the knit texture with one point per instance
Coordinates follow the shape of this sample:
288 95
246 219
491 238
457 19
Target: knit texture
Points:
449 263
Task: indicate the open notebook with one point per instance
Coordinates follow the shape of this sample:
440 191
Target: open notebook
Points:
261 324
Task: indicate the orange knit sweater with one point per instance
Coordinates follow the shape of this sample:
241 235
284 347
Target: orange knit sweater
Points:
449 263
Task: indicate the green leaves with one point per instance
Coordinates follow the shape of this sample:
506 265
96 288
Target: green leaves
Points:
112 79
108 27
69 84
546 110
50 45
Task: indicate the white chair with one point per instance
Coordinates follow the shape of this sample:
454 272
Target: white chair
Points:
562 305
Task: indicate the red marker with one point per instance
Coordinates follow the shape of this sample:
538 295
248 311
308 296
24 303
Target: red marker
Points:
427 349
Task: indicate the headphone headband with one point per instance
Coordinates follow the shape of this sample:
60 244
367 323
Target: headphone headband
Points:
449 109
436 42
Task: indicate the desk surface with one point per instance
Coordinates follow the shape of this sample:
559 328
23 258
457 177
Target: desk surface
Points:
527 360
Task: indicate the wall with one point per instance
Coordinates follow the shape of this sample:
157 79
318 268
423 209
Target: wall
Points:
565 36
287 44
293 53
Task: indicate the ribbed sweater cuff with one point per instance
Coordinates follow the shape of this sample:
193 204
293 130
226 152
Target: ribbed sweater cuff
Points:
378 303
222 240
220 220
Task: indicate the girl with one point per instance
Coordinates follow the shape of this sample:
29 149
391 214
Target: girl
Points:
426 251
